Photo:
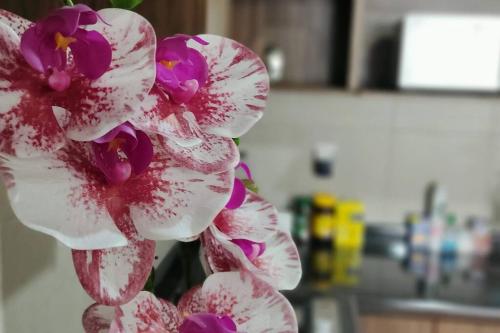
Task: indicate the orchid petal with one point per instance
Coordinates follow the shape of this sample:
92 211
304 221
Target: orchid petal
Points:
97 318
114 169
66 20
15 22
162 117
280 262
191 302
147 314
238 195
213 154
69 212
184 202
91 53
115 276
234 97
255 220
207 322
30 46
279 265
126 128
185 91
215 254
28 127
196 70
253 304
246 169
96 107
141 155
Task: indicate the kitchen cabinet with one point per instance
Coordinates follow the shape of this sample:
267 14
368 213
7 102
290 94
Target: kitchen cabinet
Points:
425 324
168 17
396 324
464 326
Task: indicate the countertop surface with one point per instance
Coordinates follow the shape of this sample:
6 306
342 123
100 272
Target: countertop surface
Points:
386 280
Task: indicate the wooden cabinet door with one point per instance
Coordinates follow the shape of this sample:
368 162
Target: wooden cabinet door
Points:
396 324
463 326
167 16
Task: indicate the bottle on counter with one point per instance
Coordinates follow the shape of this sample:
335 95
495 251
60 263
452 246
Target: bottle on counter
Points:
321 249
302 210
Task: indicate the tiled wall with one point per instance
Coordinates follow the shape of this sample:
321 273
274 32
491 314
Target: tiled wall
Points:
390 146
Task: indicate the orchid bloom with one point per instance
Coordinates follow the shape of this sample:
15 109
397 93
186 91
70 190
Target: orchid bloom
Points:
45 45
123 141
248 238
106 221
181 70
76 74
209 89
226 303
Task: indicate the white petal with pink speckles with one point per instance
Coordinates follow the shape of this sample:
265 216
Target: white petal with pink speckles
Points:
97 318
253 304
187 205
27 125
50 197
279 265
159 115
115 276
234 97
192 301
146 313
213 154
116 96
15 22
255 220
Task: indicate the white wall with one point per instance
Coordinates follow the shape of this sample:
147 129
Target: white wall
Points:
390 146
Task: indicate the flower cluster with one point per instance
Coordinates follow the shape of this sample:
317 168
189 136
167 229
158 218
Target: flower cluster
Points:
111 140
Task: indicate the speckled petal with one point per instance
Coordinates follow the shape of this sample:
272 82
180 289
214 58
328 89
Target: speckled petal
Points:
255 220
192 302
279 265
97 318
96 107
217 253
235 94
146 314
254 305
214 154
28 127
15 22
184 202
53 195
115 276
158 115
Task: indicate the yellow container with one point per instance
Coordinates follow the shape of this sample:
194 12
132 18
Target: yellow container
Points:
323 216
348 225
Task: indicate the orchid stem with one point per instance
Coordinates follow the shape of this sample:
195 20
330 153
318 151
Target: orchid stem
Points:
69 2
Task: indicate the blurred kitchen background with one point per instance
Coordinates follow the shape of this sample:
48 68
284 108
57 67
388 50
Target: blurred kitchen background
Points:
380 145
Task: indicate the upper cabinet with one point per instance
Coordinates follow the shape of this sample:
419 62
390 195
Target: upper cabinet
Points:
353 45
167 16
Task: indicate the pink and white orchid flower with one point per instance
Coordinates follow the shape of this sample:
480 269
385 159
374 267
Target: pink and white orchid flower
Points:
112 222
76 74
226 303
209 89
248 238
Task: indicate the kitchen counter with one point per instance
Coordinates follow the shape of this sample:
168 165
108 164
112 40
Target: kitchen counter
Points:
388 284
